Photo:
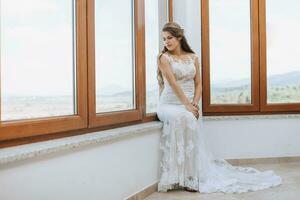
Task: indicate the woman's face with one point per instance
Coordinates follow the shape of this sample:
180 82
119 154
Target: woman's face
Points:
170 42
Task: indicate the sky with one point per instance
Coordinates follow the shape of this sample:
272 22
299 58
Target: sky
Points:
230 38
283 31
37 31
114 43
37 43
36 47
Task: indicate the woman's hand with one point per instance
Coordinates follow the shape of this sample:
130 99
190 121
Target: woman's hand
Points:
192 109
195 104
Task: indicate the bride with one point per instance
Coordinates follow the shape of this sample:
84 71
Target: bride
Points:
186 161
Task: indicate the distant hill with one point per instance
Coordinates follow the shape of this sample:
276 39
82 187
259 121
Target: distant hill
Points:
117 90
112 90
291 78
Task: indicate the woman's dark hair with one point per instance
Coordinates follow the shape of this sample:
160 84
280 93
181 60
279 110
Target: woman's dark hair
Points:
176 31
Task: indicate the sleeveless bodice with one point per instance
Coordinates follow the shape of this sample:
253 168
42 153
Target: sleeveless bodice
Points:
184 73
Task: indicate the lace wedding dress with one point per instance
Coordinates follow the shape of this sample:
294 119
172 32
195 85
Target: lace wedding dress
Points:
185 158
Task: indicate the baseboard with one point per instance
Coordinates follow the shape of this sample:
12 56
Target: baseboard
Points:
144 193
147 191
274 160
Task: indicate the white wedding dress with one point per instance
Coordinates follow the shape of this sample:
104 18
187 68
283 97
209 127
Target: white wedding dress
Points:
186 160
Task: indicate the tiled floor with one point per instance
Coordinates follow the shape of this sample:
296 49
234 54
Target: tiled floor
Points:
289 190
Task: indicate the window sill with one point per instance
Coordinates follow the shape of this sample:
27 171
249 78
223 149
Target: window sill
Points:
245 117
23 152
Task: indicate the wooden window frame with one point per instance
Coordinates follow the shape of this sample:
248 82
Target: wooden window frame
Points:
19 132
265 107
147 117
110 118
240 108
170 10
259 104
10 130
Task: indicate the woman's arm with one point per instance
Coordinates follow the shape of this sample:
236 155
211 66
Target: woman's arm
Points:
167 73
198 84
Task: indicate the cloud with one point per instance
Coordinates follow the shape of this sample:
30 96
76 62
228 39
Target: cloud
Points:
37 61
283 45
13 8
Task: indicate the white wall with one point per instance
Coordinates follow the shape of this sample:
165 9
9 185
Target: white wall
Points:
100 172
247 138
119 169
254 138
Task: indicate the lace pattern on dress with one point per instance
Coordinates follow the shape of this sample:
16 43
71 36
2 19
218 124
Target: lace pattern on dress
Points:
185 158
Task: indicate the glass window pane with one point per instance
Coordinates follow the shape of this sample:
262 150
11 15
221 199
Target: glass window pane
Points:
114 54
156 15
283 50
230 51
152 34
37 59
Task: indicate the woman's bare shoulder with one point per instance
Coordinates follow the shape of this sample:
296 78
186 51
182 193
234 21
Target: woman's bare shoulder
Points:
194 56
163 57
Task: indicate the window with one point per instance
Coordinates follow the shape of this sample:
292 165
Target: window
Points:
114 55
70 65
230 52
230 60
42 68
156 15
34 85
280 55
250 66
